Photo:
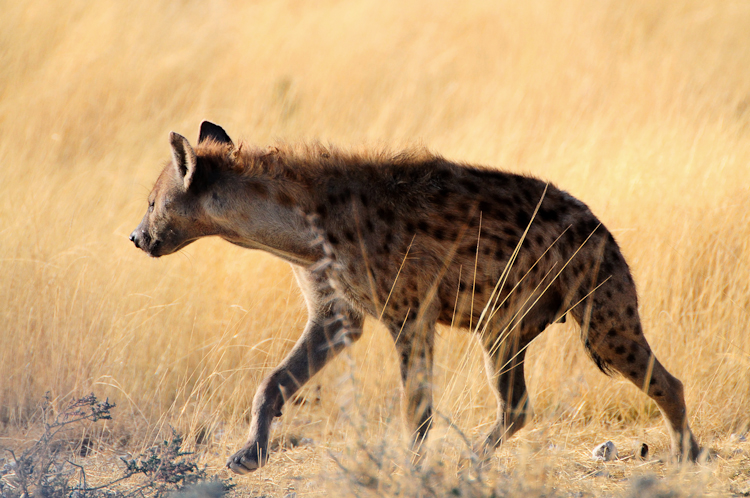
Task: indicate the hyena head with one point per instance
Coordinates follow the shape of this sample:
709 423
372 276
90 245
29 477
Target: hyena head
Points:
176 215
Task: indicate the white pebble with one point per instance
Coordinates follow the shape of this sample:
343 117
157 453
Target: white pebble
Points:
605 452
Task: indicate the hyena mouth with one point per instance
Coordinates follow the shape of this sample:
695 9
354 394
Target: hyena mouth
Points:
153 250
157 249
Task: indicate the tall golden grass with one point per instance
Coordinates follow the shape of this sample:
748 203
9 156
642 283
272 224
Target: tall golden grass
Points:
639 108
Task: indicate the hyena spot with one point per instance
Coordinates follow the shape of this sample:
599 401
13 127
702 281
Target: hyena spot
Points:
284 199
470 186
386 214
549 215
522 218
258 189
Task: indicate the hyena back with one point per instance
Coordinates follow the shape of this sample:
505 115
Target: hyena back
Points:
413 240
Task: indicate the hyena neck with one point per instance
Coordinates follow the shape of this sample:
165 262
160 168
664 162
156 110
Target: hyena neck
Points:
270 215
290 254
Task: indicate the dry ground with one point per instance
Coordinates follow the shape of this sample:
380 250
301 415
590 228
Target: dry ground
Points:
640 108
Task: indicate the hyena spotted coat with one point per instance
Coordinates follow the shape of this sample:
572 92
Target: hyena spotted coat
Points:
413 240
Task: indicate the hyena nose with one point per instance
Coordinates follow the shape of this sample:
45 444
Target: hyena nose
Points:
134 238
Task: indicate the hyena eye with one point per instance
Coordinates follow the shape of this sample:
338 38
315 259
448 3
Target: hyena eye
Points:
150 206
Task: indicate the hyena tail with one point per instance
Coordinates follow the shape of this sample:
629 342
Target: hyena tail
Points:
600 362
603 300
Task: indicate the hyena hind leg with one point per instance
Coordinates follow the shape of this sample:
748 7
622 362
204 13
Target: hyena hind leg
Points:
415 349
504 365
504 355
617 343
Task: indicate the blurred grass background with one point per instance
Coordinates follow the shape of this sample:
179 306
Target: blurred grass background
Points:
639 108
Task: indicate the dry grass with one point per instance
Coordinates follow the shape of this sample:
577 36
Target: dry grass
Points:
640 108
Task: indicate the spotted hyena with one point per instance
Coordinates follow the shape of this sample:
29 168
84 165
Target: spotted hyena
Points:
413 240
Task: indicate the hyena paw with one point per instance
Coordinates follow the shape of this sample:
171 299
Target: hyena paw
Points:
251 457
479 455
475 458
693 453
685 449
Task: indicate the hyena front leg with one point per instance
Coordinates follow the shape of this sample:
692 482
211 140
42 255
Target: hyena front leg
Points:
331 326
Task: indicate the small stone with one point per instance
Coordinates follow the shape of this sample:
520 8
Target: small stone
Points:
738 438
643 452
605 452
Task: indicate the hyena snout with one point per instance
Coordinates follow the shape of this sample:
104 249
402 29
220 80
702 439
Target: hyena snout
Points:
143 241
140 238
135 239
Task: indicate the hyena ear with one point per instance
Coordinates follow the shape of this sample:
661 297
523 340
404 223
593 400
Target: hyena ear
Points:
184 157
210 131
